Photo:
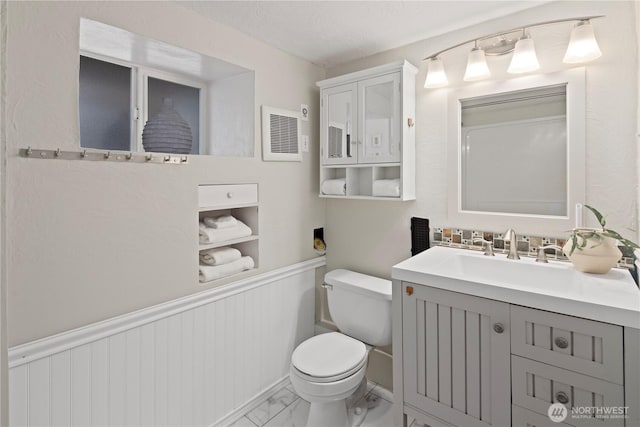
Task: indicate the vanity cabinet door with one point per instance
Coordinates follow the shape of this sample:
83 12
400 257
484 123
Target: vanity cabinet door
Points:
339 126
456 356
379 119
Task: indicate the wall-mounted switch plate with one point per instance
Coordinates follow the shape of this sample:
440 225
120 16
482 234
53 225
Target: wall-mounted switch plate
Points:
305 143
304 112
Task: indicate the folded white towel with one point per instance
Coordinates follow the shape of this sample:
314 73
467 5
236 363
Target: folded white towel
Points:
214 235
208 273
386 187
219 256
335 187
224 221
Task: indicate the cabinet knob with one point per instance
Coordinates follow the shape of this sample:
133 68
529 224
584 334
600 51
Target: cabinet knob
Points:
562 397
229 195
498 327
561 342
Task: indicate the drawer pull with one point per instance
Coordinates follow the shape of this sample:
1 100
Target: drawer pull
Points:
498 328
562 397
561 342
229 195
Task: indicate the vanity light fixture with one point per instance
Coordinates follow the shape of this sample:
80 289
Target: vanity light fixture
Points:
477 68
583 47
436 76
524 58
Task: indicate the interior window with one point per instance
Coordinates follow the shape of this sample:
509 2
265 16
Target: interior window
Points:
116 100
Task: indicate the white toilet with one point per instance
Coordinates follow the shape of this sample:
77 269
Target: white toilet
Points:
329 368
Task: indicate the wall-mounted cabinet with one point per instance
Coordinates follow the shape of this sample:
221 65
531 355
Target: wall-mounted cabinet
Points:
222 202
367 137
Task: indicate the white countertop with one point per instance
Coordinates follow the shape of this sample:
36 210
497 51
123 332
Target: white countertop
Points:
612 297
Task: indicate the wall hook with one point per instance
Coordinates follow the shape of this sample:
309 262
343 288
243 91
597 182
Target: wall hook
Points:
148 157
57 152
83 154
130 155
29 151
107 156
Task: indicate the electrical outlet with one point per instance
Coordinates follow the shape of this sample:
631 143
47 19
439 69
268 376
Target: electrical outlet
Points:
305 143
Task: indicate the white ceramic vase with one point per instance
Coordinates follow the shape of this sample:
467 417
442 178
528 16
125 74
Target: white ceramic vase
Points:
597 256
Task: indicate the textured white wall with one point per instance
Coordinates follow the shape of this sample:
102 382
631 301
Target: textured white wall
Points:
372 236
91 240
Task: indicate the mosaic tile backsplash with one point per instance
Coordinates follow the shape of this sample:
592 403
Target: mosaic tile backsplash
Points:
527 245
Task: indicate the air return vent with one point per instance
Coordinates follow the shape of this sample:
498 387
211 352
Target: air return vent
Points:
280 135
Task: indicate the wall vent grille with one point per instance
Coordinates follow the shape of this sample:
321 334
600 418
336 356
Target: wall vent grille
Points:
280 135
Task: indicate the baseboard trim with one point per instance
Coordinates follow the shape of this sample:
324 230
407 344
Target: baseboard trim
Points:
25 353
253 403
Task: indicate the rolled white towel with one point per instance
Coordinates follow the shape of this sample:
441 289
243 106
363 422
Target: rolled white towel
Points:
208 273
386 187
219 256
214 235
224 221
334 186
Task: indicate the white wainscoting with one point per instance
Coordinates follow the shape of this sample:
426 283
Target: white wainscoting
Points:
189 362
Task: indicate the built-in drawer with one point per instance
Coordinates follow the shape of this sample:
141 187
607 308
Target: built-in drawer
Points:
224 196
585 346
589 401
521 417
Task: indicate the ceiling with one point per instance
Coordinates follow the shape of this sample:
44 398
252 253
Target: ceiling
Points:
328 33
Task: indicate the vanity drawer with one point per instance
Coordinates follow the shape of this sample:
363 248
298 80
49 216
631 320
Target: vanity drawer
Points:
224 196
521 417
536 385
581 345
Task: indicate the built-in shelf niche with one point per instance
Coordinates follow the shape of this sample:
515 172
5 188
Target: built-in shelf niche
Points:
239 201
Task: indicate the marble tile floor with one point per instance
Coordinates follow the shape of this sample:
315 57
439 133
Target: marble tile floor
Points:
284 408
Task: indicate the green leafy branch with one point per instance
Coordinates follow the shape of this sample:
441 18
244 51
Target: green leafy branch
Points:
579 239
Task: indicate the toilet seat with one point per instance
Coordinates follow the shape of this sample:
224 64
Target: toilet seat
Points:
328 357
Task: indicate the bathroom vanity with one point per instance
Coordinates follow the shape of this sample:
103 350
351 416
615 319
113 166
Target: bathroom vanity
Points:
487 341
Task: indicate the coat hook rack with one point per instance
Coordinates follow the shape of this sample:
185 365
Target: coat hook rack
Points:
130 157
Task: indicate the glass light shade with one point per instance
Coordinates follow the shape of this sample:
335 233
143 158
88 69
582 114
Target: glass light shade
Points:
524 57
583 46
477 67
436 77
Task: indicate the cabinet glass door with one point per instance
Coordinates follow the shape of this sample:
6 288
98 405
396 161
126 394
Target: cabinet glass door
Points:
339 133
379 119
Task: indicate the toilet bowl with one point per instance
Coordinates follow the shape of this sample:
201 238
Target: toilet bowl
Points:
328 370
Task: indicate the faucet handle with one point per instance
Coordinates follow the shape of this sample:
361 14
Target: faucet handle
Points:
487 245
542 255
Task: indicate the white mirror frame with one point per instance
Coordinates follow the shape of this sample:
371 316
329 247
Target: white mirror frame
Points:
524 224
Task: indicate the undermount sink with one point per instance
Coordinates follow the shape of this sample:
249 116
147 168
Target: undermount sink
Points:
524 272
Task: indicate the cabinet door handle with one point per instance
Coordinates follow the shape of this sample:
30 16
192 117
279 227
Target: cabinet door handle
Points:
561 342
562 397
498 328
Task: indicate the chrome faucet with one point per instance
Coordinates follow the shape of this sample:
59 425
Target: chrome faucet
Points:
510 236
542 255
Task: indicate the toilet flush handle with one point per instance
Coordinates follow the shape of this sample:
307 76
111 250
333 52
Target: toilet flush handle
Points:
327 286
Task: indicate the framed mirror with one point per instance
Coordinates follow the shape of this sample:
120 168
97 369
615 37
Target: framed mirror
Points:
516 153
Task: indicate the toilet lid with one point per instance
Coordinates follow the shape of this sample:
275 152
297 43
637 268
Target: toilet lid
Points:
328 355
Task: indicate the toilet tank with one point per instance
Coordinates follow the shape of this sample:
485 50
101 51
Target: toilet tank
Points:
360 305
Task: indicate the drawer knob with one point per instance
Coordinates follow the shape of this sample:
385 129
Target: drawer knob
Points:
562 397
229 195
561 342
498 328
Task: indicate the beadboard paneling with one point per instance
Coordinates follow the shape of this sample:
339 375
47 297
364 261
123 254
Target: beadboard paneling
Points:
188 367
